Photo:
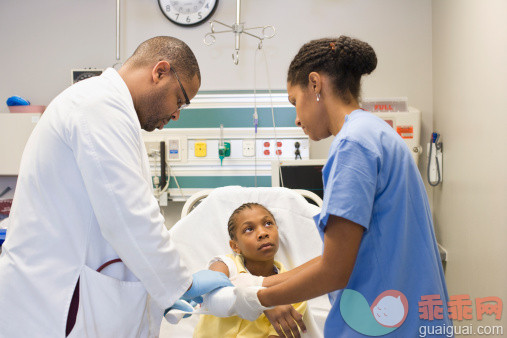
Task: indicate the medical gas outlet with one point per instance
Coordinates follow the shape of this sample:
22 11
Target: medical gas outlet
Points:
224 151
297 152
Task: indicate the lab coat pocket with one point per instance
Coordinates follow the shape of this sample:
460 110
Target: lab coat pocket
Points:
109 307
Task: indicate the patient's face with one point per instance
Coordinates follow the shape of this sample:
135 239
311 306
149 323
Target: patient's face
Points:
256 234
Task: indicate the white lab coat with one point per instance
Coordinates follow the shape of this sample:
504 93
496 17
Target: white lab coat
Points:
84 197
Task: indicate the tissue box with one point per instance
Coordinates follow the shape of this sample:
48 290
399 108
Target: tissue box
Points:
27 109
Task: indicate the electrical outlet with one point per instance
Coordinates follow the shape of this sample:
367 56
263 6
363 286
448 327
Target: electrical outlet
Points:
163 199
200 149
248 148
152 149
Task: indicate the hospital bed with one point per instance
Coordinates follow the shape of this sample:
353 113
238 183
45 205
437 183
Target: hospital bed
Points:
202 234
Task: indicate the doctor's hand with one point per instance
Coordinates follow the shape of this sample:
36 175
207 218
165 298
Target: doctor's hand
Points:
246 280
285 319
247 304
174 317
205 281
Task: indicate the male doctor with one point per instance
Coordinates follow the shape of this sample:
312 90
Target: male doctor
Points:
87 253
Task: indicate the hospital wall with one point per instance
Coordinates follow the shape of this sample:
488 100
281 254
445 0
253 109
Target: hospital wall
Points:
44 40
446 56
469 92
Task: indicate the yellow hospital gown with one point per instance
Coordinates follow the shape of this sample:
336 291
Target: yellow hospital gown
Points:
213 327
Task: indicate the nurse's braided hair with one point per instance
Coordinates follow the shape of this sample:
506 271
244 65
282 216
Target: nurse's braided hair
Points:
345 59
231 225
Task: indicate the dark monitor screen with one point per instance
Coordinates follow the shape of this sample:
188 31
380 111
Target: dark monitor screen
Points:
308 177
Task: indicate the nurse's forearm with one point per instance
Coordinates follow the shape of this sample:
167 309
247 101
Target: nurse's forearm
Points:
328 273
314 281
282 277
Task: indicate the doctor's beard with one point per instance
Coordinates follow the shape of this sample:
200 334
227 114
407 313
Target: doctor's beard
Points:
151 110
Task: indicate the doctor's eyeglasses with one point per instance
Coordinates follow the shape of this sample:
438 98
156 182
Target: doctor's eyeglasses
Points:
187 101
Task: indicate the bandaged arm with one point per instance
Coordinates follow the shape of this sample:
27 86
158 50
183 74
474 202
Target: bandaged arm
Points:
224 302
220 302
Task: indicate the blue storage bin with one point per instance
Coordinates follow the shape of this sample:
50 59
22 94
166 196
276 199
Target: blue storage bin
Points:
3 232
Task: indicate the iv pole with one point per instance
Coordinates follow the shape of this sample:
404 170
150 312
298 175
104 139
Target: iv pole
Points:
118 62
237 28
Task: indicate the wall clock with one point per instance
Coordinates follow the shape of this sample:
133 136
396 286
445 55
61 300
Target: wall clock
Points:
188 12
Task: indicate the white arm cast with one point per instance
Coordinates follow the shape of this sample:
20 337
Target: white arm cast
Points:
220 302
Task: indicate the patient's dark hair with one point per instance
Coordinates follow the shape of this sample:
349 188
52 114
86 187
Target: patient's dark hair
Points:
231 225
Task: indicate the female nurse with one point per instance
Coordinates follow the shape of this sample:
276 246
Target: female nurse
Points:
380 261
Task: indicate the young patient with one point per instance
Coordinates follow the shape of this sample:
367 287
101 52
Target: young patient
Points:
254 240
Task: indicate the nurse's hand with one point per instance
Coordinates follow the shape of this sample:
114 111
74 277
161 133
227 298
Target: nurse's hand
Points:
286 321
205 281
247 304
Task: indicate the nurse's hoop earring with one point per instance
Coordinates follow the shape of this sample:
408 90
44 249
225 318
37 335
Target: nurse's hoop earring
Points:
318 97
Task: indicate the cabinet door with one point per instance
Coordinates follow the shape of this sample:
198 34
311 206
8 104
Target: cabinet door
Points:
15 129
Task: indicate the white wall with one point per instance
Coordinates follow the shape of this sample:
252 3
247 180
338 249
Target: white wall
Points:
470 86
43 40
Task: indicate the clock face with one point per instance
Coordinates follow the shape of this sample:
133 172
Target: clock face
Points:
188 12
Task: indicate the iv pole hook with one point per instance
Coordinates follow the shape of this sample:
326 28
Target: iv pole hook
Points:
235 57
237 29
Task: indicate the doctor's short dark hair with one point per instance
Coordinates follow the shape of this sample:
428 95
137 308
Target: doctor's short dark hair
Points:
168 48
231 225
344 59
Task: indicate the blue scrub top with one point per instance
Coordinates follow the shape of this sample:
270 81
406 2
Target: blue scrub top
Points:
371 179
